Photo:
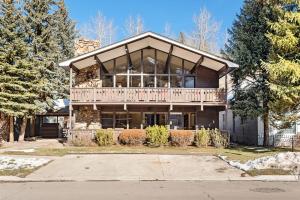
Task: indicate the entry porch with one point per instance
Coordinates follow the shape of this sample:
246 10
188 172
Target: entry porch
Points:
89 117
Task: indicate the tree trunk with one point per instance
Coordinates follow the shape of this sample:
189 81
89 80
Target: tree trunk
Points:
266 128
11 129
23 129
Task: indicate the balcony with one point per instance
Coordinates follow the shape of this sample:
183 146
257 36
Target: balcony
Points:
157 96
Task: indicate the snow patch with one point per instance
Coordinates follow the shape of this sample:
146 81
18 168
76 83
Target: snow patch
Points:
285 161
11 163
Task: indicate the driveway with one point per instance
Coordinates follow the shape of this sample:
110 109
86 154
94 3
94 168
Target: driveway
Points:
136 167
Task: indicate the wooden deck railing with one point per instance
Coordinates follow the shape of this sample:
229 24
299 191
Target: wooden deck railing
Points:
147 95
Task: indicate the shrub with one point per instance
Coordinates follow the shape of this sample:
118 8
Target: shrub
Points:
157 135
104 137
202 137
81 139
132 137
181 137
218 139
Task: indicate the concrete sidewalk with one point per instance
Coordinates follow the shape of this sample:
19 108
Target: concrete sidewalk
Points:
136 167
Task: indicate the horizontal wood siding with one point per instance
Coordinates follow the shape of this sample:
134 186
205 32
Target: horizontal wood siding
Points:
206 78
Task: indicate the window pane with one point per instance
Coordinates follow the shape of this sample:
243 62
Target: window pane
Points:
176 120
50 119
121 120
121 81
107 81
161 62
148 81
176 65
188 67
162 81
189 82
135 120
121 65
149 61
136 62
176 81
107 120
135 81
108 67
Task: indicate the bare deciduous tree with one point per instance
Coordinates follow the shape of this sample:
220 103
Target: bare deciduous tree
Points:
168 31
205 34
99 28
134 26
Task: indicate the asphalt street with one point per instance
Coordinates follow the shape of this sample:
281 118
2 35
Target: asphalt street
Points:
175 190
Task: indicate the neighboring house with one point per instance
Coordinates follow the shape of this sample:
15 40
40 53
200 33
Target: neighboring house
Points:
145 80
250 131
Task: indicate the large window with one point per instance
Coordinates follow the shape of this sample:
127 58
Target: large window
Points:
108 67
148 81
149 68
121 120
121 81
176 65
107 81
136 62
134 81
121 65
107 120
149 61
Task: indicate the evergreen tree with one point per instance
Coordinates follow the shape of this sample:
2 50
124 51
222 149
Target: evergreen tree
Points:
17 75
248 46
44 42
283 64
65 30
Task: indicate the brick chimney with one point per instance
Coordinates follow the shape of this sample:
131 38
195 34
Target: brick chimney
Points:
83 45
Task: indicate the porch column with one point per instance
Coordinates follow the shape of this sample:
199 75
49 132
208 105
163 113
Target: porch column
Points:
127 120
70 101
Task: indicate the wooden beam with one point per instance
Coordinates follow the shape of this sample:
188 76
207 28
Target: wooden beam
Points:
199 62
223 71
72 66
168 59
101 65
128 57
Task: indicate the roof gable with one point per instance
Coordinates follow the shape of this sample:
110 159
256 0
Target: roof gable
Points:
149 39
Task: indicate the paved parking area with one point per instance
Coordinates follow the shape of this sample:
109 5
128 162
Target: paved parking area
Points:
136 167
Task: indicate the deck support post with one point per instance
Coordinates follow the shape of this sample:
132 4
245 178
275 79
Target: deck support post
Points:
70 102
127 120
125 106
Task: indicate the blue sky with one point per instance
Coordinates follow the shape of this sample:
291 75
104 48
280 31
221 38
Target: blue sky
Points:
155 13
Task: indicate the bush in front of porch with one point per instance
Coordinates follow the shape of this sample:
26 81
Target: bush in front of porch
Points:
104 137
181 137
132 137
157 135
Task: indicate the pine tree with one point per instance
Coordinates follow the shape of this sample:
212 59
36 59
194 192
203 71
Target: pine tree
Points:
66 35
45 49
248 46
17 75
66 32
283 64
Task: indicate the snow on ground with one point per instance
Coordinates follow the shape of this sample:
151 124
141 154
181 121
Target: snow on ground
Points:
9 162
286 161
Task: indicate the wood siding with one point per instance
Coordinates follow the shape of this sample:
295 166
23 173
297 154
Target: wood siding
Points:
206 78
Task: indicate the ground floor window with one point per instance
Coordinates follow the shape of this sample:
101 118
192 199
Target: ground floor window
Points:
134 120
107 120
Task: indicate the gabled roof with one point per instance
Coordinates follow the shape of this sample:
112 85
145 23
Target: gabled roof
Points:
149 39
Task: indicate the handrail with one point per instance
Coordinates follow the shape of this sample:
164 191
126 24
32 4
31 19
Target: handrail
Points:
147 95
